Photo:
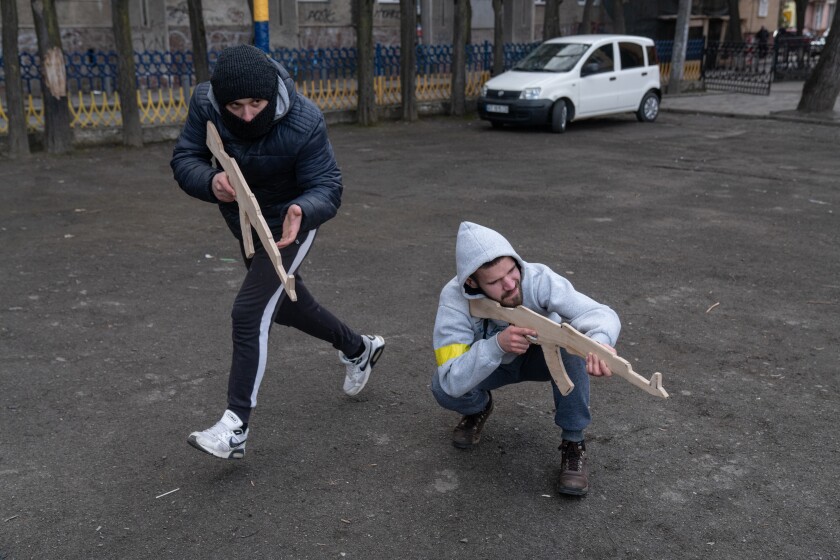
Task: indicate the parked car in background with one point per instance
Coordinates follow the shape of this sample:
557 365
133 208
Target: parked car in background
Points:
576 77
818 44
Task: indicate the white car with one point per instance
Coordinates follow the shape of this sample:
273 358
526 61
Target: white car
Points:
818 44
573 78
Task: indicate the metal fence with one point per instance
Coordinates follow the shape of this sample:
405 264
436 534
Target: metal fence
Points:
752 67
328 76
793 58
692 67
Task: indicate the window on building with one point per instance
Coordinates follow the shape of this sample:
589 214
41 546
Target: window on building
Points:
763 7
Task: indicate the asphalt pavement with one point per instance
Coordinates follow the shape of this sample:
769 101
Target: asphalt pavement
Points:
715 239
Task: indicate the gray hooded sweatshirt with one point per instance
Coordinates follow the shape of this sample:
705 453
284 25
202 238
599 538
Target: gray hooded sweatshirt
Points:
466 347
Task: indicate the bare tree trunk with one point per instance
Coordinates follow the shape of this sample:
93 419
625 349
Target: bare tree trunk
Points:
498 37
126 75
680 43
601 18
251 38
408 58
733 32
801 7
459 60
586 22
366 106
619 26
198 35
468 28
58 137
551 19
823 85
18 134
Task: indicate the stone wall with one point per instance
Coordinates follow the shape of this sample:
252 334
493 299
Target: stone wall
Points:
161 25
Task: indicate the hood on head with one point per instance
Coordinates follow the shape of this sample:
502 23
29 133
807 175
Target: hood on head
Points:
285 92
476 245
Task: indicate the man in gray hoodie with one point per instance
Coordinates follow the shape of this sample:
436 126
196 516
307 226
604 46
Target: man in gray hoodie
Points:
475 356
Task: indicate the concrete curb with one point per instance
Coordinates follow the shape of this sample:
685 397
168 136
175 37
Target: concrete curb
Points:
832 119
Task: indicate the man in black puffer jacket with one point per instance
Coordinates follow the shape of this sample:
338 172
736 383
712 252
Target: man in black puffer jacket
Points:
279 140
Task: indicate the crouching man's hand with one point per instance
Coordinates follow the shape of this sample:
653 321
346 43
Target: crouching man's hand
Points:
597 367
515 339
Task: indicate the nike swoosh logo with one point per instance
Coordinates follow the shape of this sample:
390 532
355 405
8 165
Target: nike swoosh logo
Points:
234 444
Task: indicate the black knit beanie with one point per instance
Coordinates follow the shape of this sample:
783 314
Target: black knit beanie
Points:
241 72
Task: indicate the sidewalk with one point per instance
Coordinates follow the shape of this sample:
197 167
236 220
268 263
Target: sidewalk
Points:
780 104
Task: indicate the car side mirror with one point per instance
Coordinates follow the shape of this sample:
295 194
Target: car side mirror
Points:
589 68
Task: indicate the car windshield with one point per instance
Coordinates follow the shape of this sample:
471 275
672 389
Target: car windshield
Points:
552 57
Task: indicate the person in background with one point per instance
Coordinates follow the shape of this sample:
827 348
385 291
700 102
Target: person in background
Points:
762 36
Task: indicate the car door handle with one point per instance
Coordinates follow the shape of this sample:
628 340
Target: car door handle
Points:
644 73
612 79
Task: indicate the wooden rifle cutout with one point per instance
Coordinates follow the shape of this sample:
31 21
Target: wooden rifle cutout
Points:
552 336
250 214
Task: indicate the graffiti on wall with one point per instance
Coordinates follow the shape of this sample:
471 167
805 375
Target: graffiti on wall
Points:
387 13
320 15
221 14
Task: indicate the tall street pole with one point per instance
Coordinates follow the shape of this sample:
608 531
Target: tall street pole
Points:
261 25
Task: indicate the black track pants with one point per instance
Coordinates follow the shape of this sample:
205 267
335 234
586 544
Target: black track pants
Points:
262 301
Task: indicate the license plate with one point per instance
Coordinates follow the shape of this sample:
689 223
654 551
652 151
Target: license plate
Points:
496 108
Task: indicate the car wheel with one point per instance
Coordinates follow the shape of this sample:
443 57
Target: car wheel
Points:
559 116
496 124
648 108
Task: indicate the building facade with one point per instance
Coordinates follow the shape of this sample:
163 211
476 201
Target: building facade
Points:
163 25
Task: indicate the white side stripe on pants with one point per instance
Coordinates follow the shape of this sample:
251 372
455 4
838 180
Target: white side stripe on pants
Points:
268 313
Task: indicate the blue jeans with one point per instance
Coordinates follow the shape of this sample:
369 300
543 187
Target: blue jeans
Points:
571 412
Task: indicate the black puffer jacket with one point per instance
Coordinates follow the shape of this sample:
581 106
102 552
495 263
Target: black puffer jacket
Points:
292 164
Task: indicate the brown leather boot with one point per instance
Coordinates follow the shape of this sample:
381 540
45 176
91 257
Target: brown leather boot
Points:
574 474
468 431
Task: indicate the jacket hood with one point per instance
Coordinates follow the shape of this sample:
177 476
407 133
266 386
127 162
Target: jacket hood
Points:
285 92
475 246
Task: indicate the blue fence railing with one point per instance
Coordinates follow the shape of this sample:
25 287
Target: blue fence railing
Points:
97 70
693 50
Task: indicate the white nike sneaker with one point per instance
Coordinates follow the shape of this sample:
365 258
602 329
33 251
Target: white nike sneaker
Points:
358 369
226 439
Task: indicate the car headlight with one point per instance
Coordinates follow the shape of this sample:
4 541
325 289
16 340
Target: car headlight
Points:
530 93
483 91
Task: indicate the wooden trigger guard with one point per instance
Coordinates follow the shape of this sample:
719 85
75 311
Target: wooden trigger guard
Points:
553 336
250 214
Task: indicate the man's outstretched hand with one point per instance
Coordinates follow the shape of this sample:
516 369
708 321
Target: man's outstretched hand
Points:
291 226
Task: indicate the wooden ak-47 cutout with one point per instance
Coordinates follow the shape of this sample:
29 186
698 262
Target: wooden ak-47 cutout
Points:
551 336
249 211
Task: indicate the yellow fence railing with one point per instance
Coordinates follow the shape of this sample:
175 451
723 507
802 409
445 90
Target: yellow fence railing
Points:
95 110
691 71
169 106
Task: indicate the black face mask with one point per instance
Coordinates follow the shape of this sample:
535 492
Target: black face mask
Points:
259 125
